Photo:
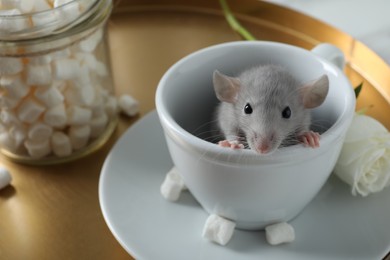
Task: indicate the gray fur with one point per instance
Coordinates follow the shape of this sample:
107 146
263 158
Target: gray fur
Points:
269 90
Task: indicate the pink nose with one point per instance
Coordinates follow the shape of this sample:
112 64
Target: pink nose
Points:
264 147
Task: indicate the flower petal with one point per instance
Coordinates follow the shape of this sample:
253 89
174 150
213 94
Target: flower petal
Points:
363 127
371 173
354 150
364 161
349 173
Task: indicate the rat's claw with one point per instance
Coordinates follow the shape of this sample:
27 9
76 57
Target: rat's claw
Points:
311 139
231 144
304 141
236 145
224 143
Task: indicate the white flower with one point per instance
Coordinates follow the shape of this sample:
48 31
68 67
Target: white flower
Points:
364 162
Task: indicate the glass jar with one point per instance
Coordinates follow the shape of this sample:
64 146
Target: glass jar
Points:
57 100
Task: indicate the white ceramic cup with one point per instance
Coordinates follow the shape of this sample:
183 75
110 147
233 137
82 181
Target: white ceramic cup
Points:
250 189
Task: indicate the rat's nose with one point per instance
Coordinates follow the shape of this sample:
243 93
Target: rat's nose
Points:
264 147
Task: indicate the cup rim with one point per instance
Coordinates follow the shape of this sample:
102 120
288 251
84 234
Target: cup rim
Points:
296 152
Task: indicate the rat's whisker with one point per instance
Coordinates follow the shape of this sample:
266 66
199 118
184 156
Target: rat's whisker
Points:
209 125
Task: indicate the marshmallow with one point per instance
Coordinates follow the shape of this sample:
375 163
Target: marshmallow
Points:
39 132
25 6
83 96
98 125
60 85
83 77
72 97
87 59
218 229
10 24
97 108
78 115
172 185
40 60
5 177
61 144
103 92
58 3
14 86
86 95
79 136
9 102
49 97
85 5
101 69
128 105
279 233
89 44
64 53
10 65
38 74
8 118
66 69
7 141
41 5
18 134
45 21
111 106
29 111
67 13
56 116
38 149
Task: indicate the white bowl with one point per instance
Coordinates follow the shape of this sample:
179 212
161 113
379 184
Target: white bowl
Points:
248 188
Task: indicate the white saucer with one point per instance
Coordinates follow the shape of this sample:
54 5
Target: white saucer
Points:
335 225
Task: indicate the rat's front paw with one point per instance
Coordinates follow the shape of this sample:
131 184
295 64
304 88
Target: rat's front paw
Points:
311 139
231 144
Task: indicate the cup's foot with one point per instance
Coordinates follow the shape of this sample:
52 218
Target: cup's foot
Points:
172 185
218 229
279 233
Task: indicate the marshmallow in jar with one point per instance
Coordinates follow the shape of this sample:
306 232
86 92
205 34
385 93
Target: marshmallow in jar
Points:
57 99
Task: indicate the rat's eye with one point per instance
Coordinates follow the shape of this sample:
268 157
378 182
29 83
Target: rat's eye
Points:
286 113
248 109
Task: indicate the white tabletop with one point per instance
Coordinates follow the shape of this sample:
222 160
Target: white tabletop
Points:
365 20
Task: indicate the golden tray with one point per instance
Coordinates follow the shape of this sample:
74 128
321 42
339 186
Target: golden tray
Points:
53 212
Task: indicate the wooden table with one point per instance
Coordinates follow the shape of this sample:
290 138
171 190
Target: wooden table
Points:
53 212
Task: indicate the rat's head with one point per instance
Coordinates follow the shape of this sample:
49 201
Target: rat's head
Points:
270 105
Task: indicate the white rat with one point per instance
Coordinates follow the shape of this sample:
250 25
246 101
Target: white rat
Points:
265 107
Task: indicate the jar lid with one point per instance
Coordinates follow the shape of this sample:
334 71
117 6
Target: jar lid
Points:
26 19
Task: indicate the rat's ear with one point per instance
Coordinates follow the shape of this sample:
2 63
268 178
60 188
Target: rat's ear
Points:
226 88
314 93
